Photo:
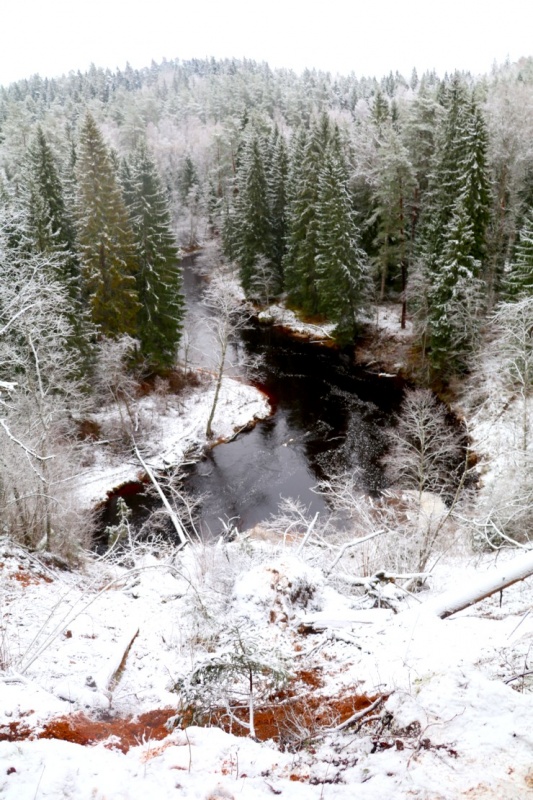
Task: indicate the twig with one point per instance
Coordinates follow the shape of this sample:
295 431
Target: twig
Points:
348 545
23 446
357 716
307 534
69 617
516 677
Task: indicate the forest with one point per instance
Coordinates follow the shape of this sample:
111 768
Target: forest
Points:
332 198
335 194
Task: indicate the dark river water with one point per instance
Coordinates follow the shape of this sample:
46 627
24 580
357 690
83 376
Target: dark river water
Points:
328 415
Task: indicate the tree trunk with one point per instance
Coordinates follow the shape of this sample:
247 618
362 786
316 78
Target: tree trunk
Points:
220 375
493 581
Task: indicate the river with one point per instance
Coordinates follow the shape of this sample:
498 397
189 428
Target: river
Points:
328 415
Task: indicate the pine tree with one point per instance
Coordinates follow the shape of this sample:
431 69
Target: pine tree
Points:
107 251
160 316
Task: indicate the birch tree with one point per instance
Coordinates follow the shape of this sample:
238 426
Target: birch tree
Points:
228 319
39 402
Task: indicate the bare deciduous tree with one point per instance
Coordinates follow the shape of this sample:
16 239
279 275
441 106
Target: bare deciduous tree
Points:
228 319
424 448
41 398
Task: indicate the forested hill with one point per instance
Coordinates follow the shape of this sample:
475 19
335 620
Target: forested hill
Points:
329 193
335 190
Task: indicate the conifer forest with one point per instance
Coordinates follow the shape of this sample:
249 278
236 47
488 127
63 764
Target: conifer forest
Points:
331 195
336 269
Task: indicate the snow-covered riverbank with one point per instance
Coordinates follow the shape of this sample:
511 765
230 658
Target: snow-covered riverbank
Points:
170 427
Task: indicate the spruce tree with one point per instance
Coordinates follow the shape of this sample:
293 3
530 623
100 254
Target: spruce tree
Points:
454 232
340 270
394 197
277 186
158 276
300 257
50 229
519 277
107 249
252 221
455 297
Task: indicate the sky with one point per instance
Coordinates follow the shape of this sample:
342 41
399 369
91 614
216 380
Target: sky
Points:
52 37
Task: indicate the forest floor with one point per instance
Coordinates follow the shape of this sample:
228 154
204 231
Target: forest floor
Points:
93 661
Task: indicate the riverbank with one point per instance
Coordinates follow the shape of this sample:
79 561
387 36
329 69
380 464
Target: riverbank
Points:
382 345
169 429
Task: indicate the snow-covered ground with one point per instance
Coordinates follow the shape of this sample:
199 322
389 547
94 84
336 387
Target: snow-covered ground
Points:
91 662
285 318
105 689
386 319
170 427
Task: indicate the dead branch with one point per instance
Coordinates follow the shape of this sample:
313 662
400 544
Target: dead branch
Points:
493 581
182 535
108 676
348 545
357 716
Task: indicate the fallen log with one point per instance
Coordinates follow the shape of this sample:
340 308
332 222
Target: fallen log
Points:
495 580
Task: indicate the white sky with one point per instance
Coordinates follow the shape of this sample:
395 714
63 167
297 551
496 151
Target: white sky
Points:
367 36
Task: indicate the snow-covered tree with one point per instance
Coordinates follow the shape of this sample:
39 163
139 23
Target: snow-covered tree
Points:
300 257
39 401
341 275
519 276
454 233
252 236
107 249
158 274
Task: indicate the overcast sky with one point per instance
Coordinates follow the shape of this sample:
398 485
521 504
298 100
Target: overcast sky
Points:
370 37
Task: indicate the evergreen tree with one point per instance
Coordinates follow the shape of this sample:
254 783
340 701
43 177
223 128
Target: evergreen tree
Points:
49 228
187 179
277 182
475 181
455 224
107 250
455 297
394 197
300 257
158 276
252 221
519 278
340 271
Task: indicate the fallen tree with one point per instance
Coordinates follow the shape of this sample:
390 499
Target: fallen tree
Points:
491 582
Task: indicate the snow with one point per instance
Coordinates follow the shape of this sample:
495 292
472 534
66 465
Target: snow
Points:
387 320
281 316
96 654
171 427
449 725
